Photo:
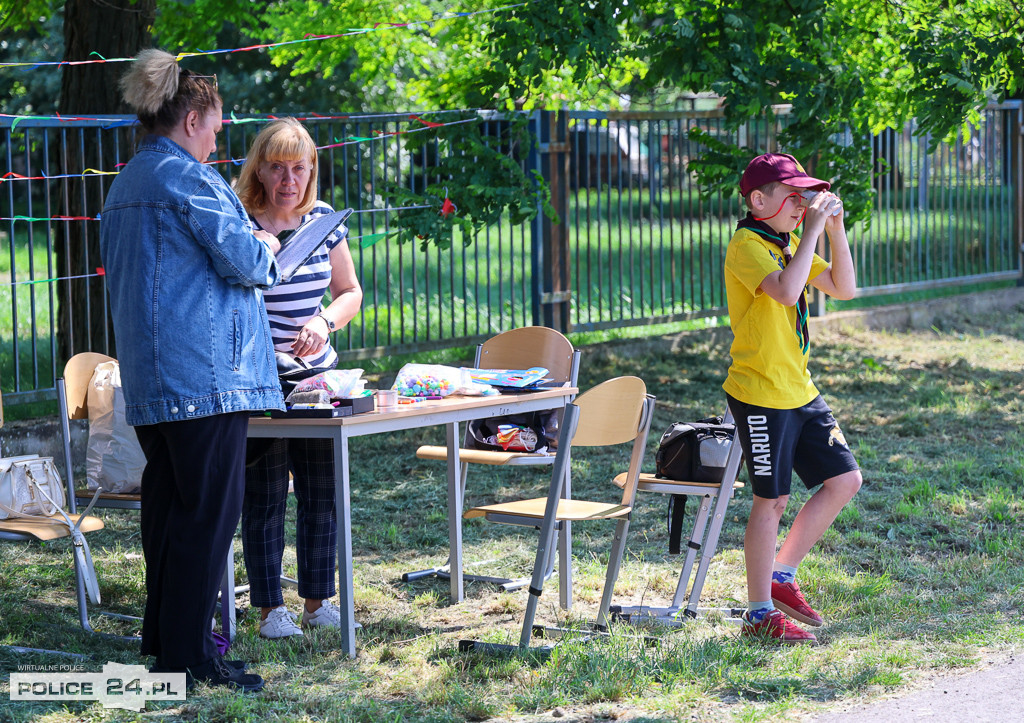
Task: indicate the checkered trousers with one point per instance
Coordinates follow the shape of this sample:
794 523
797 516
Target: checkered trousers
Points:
311 461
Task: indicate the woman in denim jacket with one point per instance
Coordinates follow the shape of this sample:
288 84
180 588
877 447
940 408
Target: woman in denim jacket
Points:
185 270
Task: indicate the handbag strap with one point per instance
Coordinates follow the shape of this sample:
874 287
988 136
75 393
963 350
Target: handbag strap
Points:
81 546
78 541
71 523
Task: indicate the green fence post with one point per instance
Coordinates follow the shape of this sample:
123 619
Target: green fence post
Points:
1017 166
551 277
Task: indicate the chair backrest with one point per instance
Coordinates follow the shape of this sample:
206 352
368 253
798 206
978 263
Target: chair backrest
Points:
610 413
77 375
531 346
614 412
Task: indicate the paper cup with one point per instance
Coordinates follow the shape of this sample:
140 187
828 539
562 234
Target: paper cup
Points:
387 398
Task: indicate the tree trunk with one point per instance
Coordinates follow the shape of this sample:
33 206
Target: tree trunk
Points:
113 29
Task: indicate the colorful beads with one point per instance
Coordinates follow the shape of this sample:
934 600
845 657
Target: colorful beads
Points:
424 385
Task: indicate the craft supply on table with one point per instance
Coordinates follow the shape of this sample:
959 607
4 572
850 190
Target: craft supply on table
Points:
387 399
338 383
337 408
508 377
429 380
511 380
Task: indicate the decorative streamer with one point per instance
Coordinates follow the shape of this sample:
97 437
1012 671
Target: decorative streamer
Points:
49 218
32 65
233 119
12 176
41 219
393 208
88 172
427 123
369 239
99 272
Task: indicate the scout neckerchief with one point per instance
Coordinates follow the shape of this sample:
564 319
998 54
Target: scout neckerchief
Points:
782 241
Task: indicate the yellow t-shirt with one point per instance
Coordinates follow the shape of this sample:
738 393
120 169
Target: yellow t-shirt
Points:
769 369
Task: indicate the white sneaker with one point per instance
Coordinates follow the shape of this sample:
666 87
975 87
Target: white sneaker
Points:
328 616
279 624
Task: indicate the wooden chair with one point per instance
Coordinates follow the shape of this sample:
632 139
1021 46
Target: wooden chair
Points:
72 396
614 412
522 348
56 527
703 541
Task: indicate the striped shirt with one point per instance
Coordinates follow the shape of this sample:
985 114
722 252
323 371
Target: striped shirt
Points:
291 305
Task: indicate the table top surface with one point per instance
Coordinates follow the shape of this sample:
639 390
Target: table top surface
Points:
426 408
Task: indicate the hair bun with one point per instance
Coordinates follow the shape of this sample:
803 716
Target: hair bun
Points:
152 81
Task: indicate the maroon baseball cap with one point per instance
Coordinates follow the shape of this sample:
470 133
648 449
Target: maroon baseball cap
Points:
778 167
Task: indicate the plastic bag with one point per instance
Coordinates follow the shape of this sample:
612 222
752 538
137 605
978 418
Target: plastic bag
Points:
431 380
339 383
516 439
113 457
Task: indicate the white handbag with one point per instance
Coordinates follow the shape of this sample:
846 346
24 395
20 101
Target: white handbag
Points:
32 489
30 486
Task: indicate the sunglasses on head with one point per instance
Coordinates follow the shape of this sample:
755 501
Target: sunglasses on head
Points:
211 78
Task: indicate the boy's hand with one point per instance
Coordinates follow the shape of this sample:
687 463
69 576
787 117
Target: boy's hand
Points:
836 224
820 210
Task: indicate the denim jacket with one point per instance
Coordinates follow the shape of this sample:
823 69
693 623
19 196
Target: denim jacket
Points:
185 274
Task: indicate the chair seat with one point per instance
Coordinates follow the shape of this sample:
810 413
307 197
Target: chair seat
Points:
109 495
110 500
649 482
51 528
486 456
567 510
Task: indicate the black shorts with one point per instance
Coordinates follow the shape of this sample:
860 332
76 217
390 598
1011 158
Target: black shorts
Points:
778 442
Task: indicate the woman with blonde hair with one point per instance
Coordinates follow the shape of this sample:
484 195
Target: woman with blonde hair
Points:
278 185
184 270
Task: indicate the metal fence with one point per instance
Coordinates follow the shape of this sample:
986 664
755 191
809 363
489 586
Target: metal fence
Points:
634 242
645 248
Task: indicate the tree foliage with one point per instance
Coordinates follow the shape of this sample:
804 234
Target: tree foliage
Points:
469 161
846 68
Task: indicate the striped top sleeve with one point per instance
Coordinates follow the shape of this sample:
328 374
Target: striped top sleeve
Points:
291 305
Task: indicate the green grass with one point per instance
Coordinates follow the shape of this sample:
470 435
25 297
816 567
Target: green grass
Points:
923 573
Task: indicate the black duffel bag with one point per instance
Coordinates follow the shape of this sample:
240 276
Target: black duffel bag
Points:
692 452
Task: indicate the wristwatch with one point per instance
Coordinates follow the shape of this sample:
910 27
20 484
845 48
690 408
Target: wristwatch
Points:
330 324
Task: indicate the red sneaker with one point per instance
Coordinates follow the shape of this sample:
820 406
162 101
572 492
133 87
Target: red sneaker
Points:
788 598
775 626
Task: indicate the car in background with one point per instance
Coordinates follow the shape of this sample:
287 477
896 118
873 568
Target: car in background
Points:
607 155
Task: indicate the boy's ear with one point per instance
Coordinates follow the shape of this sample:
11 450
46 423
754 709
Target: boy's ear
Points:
756 199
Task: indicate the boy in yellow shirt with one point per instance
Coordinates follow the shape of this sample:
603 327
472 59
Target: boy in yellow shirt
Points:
784 424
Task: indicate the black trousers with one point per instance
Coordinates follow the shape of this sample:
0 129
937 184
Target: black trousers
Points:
192 491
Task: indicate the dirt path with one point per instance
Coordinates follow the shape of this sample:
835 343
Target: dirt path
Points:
994 693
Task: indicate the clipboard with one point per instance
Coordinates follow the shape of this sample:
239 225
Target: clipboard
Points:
303 242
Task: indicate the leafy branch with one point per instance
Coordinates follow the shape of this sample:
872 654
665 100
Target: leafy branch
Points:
480 175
